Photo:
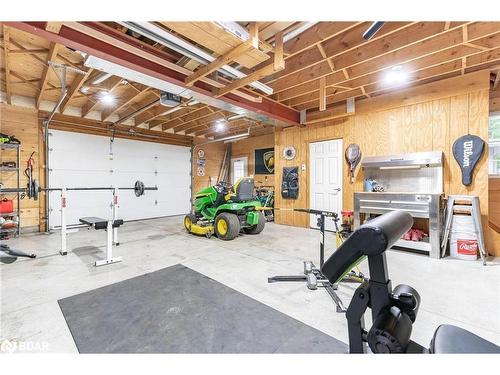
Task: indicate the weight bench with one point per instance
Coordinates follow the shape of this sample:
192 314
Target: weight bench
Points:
394 310
108 225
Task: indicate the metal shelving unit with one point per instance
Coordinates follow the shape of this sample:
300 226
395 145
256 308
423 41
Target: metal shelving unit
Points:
3 170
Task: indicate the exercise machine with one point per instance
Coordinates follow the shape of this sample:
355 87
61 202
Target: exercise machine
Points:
32 191
312 274
393 310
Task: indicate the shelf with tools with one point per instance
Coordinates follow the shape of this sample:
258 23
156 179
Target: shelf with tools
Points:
6 169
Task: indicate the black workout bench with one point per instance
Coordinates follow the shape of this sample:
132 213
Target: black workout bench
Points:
108 225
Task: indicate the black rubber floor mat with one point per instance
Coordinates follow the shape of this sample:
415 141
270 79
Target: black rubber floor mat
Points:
178 310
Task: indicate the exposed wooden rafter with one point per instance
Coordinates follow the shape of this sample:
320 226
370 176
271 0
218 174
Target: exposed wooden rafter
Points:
277 65
231 55
126 100
45 75
109 85
77 83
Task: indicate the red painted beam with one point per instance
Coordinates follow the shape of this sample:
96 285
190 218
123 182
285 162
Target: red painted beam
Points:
92 45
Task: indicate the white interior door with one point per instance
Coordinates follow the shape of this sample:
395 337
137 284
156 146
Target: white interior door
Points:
325 178
239 168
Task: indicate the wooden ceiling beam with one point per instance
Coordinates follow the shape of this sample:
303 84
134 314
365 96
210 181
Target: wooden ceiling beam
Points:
277 65
441 59
231 55
200 120
426 75
88 126
179 117
53 48
497 80
328 49
316 34
428 50
422 35
236 127
37 51
53 27
130 96
74 88
8 88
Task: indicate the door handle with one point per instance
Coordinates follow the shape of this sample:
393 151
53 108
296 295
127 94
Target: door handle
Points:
337 189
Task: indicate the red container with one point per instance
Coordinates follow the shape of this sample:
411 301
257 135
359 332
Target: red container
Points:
6 206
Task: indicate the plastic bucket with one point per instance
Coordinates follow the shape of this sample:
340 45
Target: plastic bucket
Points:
463 240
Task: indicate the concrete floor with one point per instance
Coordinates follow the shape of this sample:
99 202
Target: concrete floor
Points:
457 292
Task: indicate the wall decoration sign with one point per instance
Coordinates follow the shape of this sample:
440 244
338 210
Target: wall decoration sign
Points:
201 162
289 152
264 161
467 151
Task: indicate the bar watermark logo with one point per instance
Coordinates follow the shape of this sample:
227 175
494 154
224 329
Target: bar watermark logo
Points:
11 346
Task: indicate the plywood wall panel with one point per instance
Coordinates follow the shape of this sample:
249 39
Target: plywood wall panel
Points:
417 122
23 124
246 148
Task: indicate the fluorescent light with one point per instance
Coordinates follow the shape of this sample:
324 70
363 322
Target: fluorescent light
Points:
162 36
396 76
101 78
135 76
235 117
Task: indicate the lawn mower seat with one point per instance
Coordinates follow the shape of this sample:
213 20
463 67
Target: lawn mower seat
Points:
454 340
243 190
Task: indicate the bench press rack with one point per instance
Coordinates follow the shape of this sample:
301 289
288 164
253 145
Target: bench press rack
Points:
313 276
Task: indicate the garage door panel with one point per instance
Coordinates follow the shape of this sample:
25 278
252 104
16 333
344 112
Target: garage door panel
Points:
82 160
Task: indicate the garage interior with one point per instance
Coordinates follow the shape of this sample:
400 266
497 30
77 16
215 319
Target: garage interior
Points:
156 176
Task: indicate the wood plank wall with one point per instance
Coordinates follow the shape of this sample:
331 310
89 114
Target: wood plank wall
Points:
246 147
23 124
424 118
214 153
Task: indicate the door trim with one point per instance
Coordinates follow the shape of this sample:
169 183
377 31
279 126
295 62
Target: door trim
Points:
308 172
245 160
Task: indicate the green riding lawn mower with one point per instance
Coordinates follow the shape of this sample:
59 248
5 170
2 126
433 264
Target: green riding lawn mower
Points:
226 210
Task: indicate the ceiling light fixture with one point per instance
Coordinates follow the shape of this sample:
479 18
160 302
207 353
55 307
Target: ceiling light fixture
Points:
106 97
220 125
396 76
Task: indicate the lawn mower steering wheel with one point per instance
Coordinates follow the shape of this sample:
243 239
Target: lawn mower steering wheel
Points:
222 186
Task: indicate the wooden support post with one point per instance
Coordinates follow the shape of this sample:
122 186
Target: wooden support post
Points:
6 39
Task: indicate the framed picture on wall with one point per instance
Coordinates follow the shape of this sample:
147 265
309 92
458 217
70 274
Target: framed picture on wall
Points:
264 161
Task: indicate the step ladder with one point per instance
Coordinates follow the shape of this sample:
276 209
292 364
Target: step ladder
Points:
464 204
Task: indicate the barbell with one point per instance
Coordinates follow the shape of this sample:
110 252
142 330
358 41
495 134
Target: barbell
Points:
33 189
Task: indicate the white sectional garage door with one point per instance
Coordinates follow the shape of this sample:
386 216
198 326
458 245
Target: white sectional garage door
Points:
82 160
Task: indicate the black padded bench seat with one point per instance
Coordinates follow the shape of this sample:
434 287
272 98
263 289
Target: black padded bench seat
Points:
454 340
99 223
